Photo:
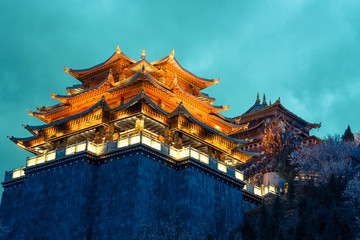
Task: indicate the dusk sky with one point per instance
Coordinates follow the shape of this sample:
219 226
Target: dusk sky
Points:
305 52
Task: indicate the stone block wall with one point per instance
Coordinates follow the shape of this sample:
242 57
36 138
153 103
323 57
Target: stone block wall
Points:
121 196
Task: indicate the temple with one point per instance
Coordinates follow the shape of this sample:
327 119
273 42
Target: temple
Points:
129 149
121 97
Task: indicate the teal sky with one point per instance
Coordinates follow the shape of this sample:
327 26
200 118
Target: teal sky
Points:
306 52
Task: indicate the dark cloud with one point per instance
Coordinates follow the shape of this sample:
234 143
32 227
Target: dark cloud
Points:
306 52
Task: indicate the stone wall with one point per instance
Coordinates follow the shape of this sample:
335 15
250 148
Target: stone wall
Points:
125 196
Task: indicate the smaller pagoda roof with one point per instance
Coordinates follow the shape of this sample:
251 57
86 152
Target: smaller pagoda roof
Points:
255 107
34 129
60 97
172 61
77 73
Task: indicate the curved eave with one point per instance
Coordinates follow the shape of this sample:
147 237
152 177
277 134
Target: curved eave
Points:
204 95
50 111
17 140
65 98
181 107
249 153
172 61
208 81
311 125
20 142
242 126
76 73
249 129
214 109
35 129
229 120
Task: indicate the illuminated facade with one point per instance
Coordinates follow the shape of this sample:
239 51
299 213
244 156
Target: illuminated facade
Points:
134 141
121 96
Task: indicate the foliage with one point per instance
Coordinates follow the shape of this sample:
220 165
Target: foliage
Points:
324 159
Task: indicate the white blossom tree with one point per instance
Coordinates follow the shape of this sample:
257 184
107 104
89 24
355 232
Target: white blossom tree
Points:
330 157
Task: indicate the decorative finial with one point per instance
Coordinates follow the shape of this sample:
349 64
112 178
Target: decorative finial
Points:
226 108
278 101
52 95
67 70
118 51
264 100
143 54
30 112
216 81
257 98
171 55
269 102
23 125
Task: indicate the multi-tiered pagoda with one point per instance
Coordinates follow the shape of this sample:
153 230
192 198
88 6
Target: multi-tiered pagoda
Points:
121 97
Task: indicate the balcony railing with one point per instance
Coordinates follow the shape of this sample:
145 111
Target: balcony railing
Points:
144 139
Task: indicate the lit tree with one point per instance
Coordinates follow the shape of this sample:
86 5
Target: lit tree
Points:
278 144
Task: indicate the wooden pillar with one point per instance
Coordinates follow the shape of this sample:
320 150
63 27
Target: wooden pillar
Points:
167 136
139 124
217 154
99 134
211 151
109 134
178 140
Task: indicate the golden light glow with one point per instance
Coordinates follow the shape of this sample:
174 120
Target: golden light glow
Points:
222 167
239 175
